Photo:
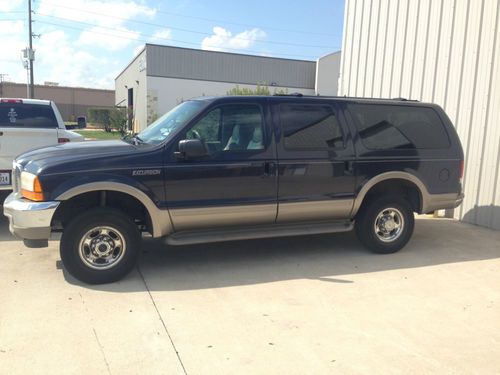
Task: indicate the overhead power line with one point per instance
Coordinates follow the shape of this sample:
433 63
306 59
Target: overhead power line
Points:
247 25
165 39
212 20
181 29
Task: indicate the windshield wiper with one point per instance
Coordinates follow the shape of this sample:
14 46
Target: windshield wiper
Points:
136 140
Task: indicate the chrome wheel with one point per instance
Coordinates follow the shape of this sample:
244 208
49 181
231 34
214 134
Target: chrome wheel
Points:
389 224
102 248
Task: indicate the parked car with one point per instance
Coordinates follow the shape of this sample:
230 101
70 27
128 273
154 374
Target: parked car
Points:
231 168
26 124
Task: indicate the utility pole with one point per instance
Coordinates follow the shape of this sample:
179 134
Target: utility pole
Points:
31 54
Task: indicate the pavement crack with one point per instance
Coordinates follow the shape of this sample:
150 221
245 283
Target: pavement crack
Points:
161 320
102 350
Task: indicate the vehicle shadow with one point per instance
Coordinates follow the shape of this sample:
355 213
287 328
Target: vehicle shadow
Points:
5 234
329 258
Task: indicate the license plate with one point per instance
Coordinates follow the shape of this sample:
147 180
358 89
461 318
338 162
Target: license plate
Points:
4 178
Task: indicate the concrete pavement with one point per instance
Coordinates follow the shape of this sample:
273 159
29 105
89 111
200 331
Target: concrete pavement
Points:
306 305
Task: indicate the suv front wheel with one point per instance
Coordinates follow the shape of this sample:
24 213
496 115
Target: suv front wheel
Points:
385 225
100 246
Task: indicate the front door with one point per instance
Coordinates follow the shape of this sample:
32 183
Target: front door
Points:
316 177
236 185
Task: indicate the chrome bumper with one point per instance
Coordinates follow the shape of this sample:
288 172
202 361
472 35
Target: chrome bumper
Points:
29 220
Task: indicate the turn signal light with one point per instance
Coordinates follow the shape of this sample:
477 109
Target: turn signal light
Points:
36 194
62 140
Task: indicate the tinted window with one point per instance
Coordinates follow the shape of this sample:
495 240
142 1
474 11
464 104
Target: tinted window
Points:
230 128
383 127
309 126
27 116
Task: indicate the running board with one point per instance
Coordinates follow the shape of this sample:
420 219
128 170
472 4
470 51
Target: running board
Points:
267 231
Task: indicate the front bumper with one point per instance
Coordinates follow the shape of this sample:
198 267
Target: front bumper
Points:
29 220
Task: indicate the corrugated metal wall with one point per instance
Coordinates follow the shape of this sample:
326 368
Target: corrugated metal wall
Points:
446 52
176 62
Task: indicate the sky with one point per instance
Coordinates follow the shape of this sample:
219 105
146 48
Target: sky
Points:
89 42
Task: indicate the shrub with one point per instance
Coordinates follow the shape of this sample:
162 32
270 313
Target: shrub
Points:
109 118
118 119
259 90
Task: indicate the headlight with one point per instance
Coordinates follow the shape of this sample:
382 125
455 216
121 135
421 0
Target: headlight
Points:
31 187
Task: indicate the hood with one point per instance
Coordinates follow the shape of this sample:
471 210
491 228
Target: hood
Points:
72 152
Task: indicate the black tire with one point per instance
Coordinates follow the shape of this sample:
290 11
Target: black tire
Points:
366 220
117 232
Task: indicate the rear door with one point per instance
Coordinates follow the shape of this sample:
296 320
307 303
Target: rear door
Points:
23 127
315 153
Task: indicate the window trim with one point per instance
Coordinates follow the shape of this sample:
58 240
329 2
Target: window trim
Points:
335 111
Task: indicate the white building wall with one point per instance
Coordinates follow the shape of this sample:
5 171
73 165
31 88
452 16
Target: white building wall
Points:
165 93
446 52
327 74
134 76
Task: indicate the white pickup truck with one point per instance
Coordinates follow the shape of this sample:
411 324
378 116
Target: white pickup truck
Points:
26 124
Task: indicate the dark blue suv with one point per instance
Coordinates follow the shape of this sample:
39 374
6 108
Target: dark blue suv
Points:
227 168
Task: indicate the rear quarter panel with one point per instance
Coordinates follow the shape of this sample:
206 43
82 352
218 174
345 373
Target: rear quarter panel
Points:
438 169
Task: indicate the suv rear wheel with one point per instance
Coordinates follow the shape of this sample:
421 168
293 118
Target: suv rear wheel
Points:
100 246
385 225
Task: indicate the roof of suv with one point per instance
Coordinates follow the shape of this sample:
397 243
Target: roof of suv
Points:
292 97
25 101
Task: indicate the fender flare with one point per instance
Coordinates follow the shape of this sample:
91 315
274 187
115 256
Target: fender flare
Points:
424 193
160 219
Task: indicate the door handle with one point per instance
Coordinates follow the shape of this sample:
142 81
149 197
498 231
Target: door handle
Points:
268 168
349 167
1 133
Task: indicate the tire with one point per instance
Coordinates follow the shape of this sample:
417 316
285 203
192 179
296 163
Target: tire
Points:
374 228
115 241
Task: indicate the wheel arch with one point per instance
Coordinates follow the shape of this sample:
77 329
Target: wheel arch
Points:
159 219
404 179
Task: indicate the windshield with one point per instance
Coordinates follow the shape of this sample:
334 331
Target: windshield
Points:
167 124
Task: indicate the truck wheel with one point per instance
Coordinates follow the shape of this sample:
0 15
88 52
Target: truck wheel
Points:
100 246
385 225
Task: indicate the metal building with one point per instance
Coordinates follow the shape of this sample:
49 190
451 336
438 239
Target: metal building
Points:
160 77
446 52
71 101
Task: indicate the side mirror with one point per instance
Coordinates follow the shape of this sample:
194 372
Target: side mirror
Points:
191 149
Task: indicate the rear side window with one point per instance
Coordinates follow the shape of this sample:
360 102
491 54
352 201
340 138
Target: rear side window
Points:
14 115
384 127
310 126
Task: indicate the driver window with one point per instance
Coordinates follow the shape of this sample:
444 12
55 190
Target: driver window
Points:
231 128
